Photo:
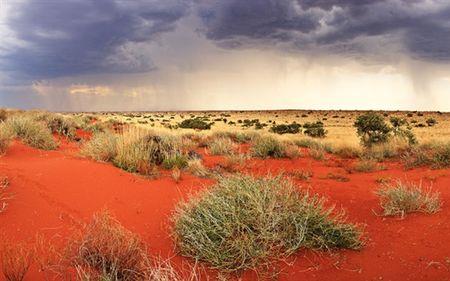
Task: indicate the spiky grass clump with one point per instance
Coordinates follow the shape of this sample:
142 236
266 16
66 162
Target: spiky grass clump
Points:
101 147
268 146
196 168
62 125
15 259
221 146
366 165
243 223
31 132
104 248
6 136
402 198
4 196
436 155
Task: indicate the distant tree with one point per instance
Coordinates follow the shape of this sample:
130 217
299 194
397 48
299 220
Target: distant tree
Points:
372 128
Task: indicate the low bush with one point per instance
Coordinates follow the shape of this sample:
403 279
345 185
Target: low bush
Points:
293 128
221 146
403 198
436 155
58 124
267 146
314 129
244 223
101 147
32 133
195 123
431 122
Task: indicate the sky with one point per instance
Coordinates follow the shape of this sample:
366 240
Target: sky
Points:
130 55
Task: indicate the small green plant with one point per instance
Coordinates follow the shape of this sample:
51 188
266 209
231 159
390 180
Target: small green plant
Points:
372 128
403 198
293 128
243 223
315 129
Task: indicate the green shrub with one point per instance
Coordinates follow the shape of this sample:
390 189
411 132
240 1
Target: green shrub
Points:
101 147
195 123
372 129
31 132
401 129
403 198
243 223
267 146
293 128
314 129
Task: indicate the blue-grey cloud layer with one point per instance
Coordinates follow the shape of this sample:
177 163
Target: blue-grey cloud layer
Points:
72 37
421 28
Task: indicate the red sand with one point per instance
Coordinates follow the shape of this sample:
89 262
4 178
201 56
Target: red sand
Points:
56 190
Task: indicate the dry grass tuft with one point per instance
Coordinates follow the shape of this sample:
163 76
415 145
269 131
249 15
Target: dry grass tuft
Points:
106 249
268 146
221 146
31 132
403 198
301 174
101 147
196 168
244 223
16 260
176 174
366 165
4 196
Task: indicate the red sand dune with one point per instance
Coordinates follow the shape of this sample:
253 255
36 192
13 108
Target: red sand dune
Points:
56 190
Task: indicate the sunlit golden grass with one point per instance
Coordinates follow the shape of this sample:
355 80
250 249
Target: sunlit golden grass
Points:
402 198
31 132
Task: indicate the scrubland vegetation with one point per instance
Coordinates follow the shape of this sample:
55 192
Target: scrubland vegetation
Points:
242 221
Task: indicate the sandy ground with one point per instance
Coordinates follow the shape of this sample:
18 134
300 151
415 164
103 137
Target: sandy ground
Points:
54 191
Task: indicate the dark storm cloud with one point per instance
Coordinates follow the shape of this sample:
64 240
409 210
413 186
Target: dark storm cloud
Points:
71 37
420 28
